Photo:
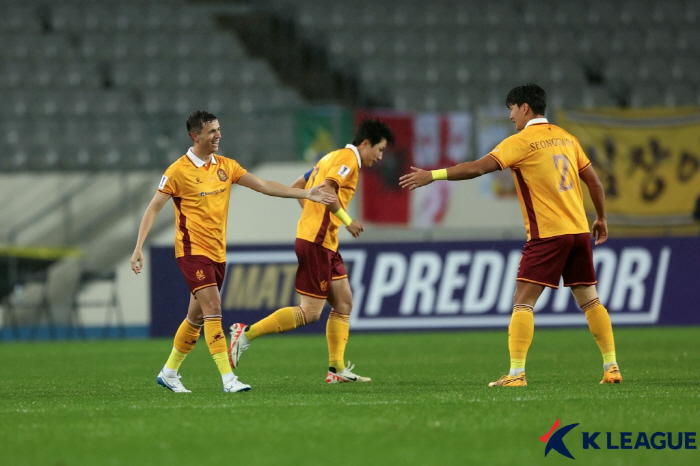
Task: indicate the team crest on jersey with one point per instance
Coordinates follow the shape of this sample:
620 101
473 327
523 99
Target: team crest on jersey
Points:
222 174
344 171
200 275
324 285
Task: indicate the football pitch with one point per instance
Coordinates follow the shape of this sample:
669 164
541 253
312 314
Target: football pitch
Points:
97 402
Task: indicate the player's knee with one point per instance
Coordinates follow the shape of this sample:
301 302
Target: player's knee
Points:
312 317
344 307
196 319
212 307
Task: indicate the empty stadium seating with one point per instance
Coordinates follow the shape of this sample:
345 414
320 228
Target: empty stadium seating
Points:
109 84
585 53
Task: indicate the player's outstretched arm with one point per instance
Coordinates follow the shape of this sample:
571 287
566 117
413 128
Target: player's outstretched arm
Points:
149 217
599 229
273 188
300 183
462 171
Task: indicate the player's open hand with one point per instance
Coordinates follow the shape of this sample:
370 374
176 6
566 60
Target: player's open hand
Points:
137 261
317 194
599 231
414 180
355 228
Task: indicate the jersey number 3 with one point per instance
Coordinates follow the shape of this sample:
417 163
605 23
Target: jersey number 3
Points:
564 170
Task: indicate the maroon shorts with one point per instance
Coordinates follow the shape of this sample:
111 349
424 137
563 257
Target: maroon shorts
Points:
201 272
545 260
318 267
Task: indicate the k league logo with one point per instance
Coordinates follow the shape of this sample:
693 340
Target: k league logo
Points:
618 440
555 440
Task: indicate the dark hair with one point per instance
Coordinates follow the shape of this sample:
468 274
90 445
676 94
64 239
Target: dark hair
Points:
197 120
373 130
530 94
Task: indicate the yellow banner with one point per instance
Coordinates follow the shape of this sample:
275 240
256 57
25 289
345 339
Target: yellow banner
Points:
647 159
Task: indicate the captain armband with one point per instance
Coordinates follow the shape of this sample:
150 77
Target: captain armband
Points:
343 216
439 174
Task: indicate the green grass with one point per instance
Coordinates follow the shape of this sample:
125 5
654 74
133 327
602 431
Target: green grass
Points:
96 403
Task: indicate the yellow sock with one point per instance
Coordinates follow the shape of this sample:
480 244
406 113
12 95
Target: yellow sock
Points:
185 339
281 320
520 333
337 332
221 360
216 340
175 359
601 328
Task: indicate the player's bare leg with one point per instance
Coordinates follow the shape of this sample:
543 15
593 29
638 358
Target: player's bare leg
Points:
520 333
337 333
599 323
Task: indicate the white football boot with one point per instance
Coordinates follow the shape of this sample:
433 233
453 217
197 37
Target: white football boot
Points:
236 386
239 343
171 383
346 375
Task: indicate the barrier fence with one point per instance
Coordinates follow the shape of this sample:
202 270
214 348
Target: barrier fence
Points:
446 285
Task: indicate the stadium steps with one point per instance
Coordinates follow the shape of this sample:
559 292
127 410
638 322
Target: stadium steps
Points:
91 225
299 61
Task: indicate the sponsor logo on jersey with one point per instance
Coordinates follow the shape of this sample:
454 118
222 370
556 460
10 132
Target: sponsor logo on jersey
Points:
218 191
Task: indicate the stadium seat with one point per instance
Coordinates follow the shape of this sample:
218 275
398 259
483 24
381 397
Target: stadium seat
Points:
536 12
598 96
533 69
659 41
682 94
688 40
621 69
567 71
594 41
502 15
569 14
20 19
627 41
467 44
635 13
684 69
602 13
654 68
647 95
77 75
666 14
564 96
13 74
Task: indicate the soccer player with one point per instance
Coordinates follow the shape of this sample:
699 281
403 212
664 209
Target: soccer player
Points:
199 184
547 164
321 274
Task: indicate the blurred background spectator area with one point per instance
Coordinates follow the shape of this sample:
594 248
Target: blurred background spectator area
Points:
90 84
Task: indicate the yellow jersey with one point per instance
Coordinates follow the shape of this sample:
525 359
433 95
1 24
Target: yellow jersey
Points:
546 161
317 224
201 195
